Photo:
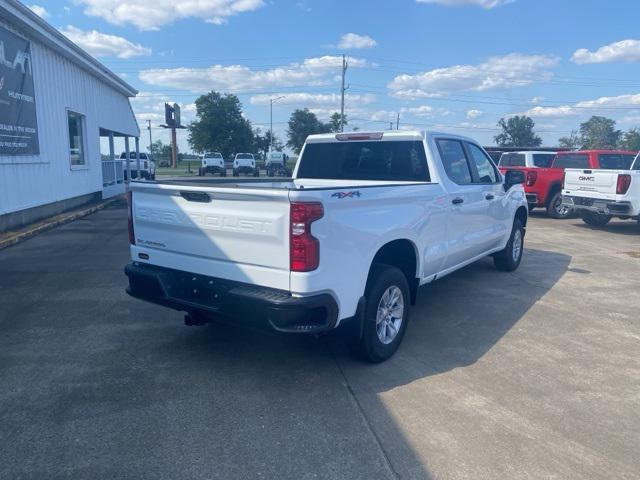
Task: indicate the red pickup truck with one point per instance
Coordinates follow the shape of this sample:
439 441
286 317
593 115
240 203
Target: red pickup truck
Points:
543 186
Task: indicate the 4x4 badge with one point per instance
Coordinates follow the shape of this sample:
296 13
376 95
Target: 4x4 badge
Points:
354 193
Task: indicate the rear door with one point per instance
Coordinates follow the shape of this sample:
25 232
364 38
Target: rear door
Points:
232 233
493 211
466 201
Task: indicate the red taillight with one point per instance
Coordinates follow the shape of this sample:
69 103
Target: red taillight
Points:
624 181
304 248
532 176
132 237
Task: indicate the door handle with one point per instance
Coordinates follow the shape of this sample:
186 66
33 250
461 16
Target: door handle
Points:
489 196
457 201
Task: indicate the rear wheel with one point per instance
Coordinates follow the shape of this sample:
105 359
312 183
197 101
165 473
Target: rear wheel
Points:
386 314
509 259
595 219
555 209
235 172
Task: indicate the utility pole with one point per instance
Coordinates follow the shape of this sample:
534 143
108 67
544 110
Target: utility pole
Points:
398 121
150 140
342 90
271 100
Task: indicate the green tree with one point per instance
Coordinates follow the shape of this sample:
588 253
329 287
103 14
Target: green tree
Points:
517 131
631 140
159 149
599 132
572 142
220 125
260 144
334 122
303 123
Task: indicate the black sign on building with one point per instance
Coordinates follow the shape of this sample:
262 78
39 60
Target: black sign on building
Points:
18 123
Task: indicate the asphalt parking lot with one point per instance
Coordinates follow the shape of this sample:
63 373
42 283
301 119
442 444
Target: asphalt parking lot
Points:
529 375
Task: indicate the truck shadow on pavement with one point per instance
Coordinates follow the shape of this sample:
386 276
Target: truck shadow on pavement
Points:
455 322
617 227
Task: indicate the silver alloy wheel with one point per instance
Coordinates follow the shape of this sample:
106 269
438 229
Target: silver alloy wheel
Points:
390 314
561 209
517 245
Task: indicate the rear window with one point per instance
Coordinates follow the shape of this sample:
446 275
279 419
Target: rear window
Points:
276 155
512 160
212 155
543 160
572 160
244 156
615 161
400 161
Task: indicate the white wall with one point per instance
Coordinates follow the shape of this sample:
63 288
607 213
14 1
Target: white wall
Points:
33 180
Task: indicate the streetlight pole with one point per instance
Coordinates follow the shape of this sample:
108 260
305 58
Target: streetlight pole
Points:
271 100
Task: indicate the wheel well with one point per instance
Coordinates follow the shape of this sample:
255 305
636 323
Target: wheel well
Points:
522 215
400 254
552 191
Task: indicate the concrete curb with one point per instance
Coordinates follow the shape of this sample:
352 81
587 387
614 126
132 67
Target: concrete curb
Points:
55 221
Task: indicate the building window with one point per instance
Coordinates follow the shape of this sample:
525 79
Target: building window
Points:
76 139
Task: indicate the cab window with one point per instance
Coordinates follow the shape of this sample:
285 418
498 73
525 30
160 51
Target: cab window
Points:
484 167
512 160
454 160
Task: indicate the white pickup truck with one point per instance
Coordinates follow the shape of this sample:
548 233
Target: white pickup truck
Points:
366 219
599 195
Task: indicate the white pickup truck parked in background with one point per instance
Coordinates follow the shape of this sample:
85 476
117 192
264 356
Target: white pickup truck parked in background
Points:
366 220
212 162
147 166
599 195
245 163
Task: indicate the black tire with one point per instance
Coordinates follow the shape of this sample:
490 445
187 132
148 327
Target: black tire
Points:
256 172
223 173
555 208
235 172
509 259
595 219
368 345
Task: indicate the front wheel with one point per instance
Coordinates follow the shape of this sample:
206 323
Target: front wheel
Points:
555 208
235 172
386 314
510 257
595 219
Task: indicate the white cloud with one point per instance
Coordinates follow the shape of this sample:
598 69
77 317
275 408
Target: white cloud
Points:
559 111
352 41
310 72
309 100
101 44
588 107
623 51
488 4
421 111
40 11
471 114
147 15
414 94
513 70
537 99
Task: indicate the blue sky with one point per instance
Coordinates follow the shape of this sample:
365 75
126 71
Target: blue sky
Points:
452 65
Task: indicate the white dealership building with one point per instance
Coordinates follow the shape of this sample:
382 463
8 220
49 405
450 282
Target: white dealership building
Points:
64 120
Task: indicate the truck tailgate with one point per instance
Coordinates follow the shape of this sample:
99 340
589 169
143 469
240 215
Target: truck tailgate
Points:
602 183
239 234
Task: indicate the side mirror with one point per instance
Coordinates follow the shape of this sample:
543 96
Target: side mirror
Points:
513 177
